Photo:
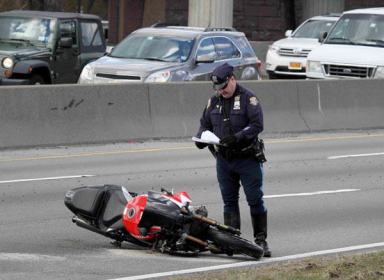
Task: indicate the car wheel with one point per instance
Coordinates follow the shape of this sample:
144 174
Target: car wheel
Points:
36 80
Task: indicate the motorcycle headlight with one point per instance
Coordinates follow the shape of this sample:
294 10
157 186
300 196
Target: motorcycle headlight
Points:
158 77
86 76
314 66
379 72
7 63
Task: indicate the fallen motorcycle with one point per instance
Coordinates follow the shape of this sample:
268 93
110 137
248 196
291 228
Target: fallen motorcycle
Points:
164 221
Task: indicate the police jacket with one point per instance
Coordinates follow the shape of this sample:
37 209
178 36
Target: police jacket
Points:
241 115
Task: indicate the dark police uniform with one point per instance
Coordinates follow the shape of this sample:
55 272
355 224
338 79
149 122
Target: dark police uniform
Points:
239 118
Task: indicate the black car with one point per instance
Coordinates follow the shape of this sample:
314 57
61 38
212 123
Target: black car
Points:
173 53
47 47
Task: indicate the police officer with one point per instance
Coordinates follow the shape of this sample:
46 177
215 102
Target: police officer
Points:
234 114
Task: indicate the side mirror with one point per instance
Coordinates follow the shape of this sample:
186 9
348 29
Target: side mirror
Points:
205 58
288 33
66 42
108 49
322 36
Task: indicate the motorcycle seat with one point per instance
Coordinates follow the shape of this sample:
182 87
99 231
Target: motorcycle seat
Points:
85 200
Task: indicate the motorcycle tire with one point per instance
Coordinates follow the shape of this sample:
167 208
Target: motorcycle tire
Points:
230 243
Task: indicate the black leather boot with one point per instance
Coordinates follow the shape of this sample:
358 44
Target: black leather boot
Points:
259 223
232 219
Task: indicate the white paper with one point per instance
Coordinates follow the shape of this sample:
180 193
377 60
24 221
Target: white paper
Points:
207 137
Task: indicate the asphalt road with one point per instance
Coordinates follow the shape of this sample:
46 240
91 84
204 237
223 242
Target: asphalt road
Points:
323 191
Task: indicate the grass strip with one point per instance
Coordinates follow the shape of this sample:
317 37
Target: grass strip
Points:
366 266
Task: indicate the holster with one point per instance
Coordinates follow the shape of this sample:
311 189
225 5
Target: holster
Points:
258 147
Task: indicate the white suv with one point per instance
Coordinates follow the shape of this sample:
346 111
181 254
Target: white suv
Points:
354 48
287 57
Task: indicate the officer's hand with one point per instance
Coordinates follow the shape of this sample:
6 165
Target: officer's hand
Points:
229 141
200 145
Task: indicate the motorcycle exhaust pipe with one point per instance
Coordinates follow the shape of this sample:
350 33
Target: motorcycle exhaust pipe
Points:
83 224
210 247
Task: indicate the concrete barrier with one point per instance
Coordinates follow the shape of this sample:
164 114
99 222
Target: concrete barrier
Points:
81 114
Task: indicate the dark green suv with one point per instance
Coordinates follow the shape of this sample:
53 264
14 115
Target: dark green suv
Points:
47 47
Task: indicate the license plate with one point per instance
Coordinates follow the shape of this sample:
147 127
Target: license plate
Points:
294 65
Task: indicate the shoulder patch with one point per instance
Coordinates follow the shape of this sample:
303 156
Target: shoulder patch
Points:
253 101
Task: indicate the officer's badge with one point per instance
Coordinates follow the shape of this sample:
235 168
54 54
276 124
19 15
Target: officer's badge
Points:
236 103
214 79
209 103
253 101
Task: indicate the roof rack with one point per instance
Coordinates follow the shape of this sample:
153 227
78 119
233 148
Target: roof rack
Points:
219 29
161 24
176 26
332 14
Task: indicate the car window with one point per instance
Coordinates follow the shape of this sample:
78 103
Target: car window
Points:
68 29
362 29
244 46
313 28
32 31
225 48
207 48
90 34
161 48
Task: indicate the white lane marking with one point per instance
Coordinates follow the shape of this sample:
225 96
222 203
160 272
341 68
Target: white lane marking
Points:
357 155
253 263
310 193
29 257
44 179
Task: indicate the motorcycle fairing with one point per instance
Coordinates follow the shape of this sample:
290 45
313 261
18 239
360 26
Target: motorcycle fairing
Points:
132 215
114 204
160 210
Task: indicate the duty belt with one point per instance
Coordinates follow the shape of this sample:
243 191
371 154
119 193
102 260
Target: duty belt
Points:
230 154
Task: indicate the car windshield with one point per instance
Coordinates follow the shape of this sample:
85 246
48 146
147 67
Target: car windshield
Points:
313 28
31 31
358 29
158 48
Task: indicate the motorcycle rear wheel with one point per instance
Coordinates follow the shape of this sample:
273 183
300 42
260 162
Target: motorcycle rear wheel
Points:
231 243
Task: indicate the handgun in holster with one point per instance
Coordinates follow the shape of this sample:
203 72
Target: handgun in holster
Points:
258 147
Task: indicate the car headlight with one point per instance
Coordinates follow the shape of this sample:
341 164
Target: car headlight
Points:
158 77
86 76
379 72
7 63
273 48
314 66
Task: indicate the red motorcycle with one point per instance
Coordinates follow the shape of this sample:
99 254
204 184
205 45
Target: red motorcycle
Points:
164 221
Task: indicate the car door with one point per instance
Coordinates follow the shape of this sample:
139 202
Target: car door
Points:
66 65
92 43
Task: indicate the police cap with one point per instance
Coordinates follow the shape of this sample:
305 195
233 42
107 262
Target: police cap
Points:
221 75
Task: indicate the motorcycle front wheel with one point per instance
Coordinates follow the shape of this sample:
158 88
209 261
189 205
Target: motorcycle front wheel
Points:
230 243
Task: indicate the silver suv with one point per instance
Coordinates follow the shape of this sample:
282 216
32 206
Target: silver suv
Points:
173 53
